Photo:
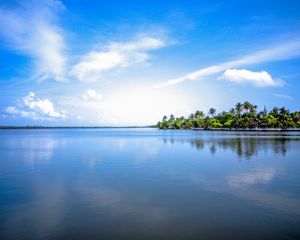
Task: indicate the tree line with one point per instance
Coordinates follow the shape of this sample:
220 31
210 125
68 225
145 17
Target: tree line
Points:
243 115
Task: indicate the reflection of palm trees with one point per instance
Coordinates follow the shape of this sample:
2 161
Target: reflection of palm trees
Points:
213 148
245 147
198 143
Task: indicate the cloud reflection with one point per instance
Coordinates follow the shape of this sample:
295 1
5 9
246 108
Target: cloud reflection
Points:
33 149
258 176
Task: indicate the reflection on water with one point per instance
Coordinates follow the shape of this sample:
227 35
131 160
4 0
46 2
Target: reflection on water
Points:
35 150
148 184
260 176
242 147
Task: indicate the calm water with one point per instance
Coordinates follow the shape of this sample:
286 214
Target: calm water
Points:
148 184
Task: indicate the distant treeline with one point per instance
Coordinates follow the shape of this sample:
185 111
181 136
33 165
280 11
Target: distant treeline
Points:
70 127
243 115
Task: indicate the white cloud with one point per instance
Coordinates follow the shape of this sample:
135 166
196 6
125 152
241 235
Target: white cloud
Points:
258 79
285 51
12 110
91 95
32 30
22 113
114 55
42 106
283 96
36 108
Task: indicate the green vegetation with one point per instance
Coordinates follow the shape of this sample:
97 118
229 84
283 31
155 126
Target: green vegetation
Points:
244 115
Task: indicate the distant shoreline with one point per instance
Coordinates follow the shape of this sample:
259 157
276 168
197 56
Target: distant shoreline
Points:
250 129
237 129
69 127
131 127
242 117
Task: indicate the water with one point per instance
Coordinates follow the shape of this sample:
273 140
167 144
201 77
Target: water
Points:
148 184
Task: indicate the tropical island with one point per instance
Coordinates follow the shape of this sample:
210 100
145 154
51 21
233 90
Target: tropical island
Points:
242 116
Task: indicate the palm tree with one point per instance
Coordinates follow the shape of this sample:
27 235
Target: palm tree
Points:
284 115
283 111
252 109
275 112
247 106
239 108
192 116
296 116
281 118
261 115
199 114
212 112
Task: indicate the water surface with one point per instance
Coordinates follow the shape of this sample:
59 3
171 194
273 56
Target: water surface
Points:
148 184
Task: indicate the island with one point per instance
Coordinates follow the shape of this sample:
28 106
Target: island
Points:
244 116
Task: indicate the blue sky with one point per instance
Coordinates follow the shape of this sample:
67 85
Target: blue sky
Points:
131 62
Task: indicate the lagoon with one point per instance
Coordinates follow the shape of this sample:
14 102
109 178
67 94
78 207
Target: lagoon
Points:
149 184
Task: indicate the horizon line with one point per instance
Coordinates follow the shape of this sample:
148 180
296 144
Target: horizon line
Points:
36 127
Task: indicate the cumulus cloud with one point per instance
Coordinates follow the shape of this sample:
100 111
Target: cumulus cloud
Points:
12 110
32 30
91 95
36 108
42 106
114 55
257 79
284 51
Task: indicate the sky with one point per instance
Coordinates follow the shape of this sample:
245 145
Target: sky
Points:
130 62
